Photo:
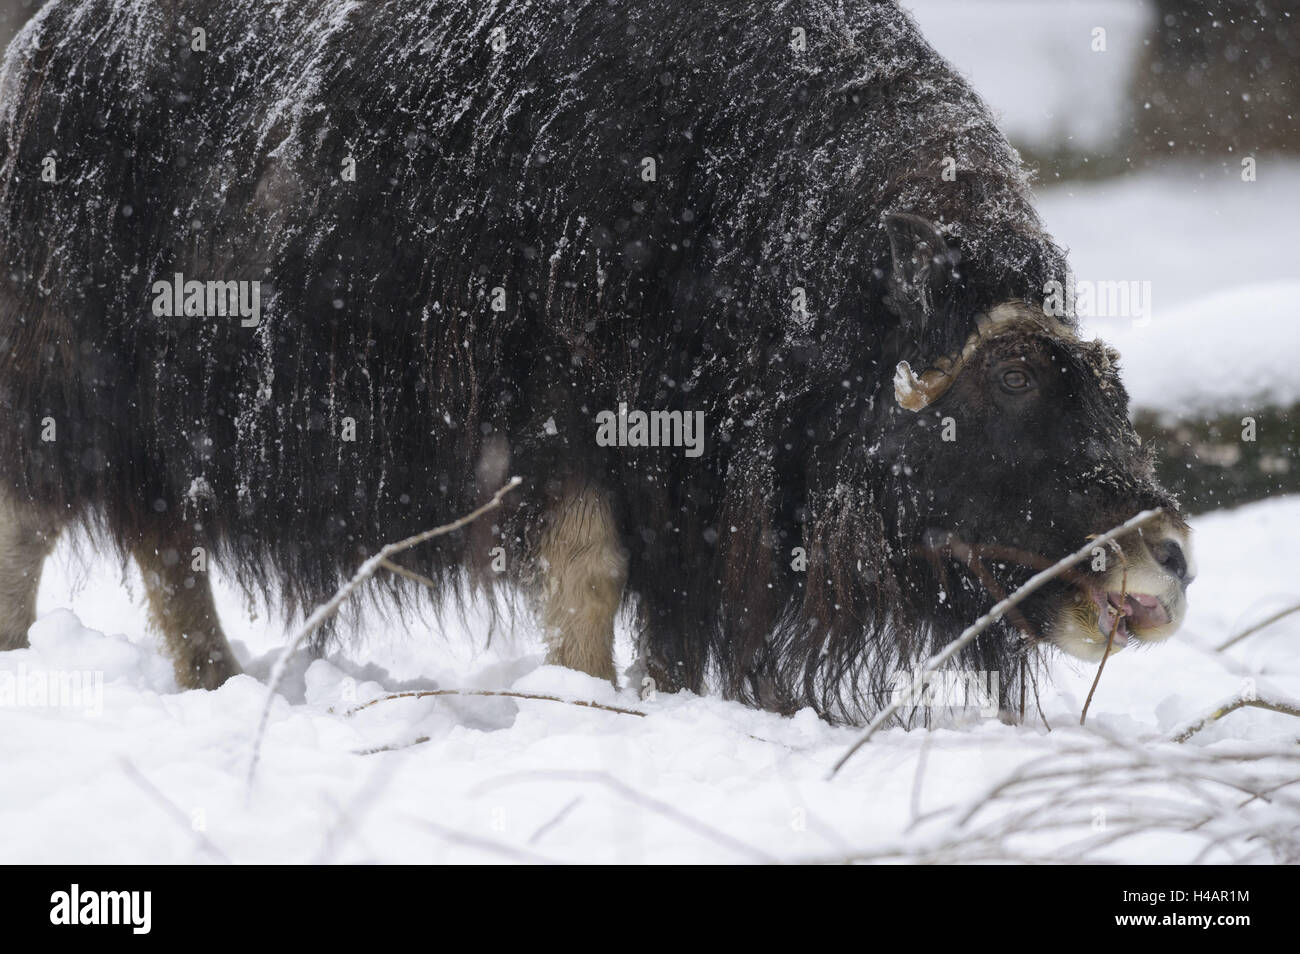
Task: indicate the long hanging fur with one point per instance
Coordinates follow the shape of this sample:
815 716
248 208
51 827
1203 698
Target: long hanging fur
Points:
520 168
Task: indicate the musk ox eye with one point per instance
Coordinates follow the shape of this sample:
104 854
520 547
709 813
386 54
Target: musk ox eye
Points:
1016 380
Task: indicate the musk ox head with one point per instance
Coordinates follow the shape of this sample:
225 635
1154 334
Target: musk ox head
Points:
1011 446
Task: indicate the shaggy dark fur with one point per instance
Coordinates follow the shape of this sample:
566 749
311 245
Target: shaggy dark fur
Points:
522 168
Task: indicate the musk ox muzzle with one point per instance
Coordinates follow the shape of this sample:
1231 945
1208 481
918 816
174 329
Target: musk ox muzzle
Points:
1141 598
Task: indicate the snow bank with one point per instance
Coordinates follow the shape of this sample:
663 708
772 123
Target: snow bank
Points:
1219 256
1232 351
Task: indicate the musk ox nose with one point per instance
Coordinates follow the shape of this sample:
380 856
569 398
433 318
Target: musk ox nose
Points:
1169 554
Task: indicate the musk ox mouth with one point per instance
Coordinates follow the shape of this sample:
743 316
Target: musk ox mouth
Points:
1142 600
1085 618
1127 615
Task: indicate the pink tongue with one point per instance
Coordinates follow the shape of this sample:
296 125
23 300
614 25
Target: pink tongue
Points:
1144 611
1139 611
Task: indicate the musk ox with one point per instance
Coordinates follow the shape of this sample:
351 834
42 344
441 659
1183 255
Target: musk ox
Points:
285 282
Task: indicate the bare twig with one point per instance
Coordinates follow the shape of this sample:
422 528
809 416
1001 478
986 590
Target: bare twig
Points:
1034 583
555 819
349 818
394 747
1187 730
645 801
918 776
1113 785
328 609
1262 624
422 693
172 810
1110 640
483 844
409 574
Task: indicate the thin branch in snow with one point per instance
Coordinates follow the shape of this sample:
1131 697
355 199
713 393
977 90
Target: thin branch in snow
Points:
328 609
645 801
394 747
555 819
172 810
918 777
1251 631
1189 729
484 844
1091 794
1110 640
349 817
1031 586
422 693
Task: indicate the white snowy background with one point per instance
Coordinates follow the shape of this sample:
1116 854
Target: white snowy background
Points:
160 775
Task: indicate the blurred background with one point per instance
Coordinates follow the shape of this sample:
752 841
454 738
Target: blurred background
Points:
1166 139
13 14
1137 116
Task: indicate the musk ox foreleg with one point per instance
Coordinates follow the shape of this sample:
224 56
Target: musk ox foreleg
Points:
26 538
582 568
182 608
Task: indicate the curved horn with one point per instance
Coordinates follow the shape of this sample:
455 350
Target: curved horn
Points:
914 393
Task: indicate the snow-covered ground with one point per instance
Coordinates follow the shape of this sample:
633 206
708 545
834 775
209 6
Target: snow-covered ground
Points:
146 773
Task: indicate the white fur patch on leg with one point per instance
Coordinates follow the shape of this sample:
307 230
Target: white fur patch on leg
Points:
583 568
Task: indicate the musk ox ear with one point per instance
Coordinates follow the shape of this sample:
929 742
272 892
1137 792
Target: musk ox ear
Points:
923 276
